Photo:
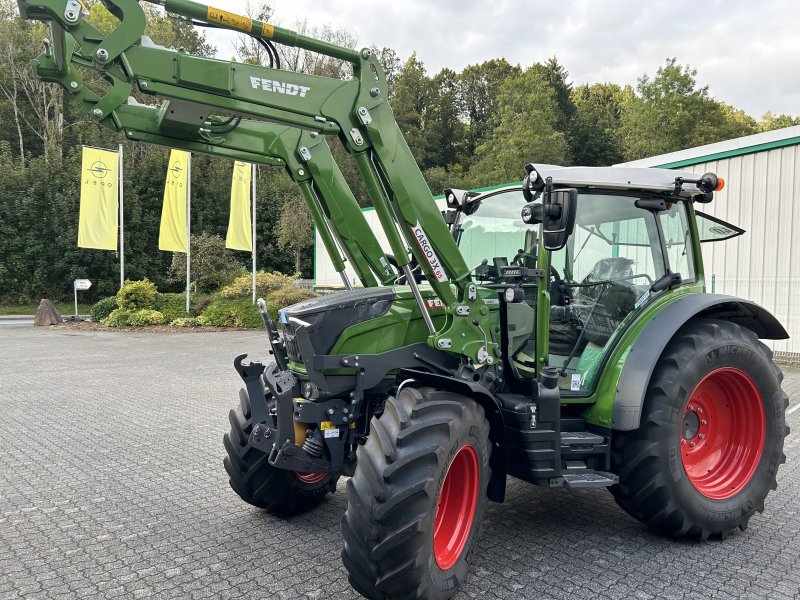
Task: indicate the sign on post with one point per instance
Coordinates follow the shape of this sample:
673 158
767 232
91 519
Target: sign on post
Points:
82 285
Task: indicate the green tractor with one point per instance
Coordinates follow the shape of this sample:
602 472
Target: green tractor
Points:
557 331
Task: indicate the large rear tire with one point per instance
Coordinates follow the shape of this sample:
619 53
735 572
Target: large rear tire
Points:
283 493
415 503
711 437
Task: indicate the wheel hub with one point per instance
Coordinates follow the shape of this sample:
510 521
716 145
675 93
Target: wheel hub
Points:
691 425
723 432
310 478
456 506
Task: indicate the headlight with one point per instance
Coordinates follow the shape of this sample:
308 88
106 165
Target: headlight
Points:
514 295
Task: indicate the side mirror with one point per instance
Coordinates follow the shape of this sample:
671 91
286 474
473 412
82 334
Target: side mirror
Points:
560 208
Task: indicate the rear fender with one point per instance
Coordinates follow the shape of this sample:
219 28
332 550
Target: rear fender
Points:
491 407
651 342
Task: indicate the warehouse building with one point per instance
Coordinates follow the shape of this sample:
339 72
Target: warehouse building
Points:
762 193
762 196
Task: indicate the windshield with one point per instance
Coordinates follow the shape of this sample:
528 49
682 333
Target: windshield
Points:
495 231
603 274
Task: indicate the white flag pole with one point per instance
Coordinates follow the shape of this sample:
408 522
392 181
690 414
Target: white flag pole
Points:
121 220
188 231
253 174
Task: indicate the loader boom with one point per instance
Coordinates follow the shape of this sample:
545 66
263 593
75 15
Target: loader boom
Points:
356 111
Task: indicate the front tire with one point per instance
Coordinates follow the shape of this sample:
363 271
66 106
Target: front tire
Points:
711 437
280 492
416 500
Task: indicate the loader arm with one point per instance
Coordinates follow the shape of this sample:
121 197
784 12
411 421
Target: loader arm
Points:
333 207
356 111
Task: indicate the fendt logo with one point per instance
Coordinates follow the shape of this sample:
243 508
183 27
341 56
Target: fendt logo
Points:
279 87
99 170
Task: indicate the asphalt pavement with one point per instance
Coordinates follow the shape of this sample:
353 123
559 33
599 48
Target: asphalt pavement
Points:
112 486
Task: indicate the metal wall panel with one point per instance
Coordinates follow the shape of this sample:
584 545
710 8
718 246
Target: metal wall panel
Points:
761 195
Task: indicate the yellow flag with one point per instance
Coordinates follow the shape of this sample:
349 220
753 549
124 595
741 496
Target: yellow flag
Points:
176 196
240 227
99 220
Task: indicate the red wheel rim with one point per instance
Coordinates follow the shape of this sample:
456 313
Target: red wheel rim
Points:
310 477
455 509
723 433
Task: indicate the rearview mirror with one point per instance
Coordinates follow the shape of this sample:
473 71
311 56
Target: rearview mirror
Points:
560 207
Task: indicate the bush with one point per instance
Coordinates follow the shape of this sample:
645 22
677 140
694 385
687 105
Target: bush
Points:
200 302
224 312
185 322
103 308
266 283
137 295
172 306
146 318
118 318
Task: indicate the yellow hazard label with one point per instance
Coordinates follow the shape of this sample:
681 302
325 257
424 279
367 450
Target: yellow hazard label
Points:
267 30
328 425
229 19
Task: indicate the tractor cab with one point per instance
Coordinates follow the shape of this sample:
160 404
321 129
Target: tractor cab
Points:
631 239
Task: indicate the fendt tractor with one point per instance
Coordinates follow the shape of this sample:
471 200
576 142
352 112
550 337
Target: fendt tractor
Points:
557 330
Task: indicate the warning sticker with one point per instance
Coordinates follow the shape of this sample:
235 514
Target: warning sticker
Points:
232 20
327 426
576 382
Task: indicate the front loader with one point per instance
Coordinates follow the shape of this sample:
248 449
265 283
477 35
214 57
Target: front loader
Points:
557 331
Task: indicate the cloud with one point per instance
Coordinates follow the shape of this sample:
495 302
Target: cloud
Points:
747 53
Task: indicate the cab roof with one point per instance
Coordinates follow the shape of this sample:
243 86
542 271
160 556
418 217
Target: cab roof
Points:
618 178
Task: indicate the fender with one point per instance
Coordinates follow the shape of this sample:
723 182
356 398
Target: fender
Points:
650 344
491 406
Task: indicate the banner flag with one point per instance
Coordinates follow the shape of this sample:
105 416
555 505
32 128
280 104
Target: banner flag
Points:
98 227
172 237
240 226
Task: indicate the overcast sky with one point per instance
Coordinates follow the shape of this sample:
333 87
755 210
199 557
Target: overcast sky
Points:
747 52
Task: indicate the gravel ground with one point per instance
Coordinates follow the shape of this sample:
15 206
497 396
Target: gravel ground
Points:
111 485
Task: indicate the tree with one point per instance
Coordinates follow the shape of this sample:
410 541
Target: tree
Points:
595 135
478 86
526 131
412 93
443 131
671 112
557 78
212 265
770 121
295 230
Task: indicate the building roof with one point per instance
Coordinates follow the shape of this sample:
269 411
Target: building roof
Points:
750 144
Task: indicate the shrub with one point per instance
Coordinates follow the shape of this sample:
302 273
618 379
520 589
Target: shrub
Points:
118 318
224 312
172 306
185 322
213 265
266 283
103 308
137 295
200 302
146 318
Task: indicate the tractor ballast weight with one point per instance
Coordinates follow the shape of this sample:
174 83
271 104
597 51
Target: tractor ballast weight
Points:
583 352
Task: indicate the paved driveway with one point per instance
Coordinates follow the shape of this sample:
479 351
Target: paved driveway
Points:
111 485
